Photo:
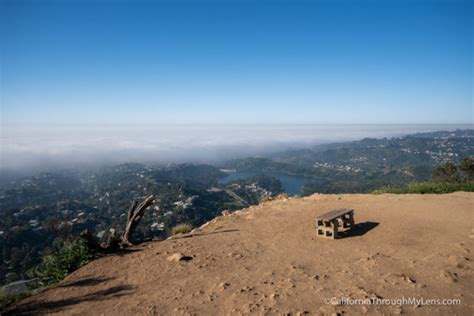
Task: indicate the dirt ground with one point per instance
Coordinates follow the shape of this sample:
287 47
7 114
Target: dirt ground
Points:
267 260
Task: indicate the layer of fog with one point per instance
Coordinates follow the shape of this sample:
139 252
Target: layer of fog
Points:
35 148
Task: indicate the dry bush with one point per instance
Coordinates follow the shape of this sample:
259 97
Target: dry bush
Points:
181 229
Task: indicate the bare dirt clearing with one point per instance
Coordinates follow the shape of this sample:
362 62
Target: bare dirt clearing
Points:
268 260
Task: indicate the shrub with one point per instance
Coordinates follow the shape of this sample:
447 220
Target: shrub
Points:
267 198
181 229
427 188
282 196
7 300
462 172
66 257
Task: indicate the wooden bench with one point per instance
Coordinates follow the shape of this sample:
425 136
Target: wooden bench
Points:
329 224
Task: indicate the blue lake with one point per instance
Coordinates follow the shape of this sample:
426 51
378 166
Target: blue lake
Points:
291 184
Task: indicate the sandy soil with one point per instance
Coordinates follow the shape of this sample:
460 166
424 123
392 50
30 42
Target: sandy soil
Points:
268 260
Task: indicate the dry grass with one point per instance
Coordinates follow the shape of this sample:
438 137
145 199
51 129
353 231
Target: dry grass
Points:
181 229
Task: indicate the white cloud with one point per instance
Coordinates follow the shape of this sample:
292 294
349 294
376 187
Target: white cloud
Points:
25 147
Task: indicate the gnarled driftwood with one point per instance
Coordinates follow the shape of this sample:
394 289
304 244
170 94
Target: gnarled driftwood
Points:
135 214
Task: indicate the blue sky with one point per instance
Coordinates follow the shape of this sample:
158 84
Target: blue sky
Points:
132 62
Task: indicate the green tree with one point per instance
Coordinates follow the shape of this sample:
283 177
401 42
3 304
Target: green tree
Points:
455 173
66 257
447 173
467 167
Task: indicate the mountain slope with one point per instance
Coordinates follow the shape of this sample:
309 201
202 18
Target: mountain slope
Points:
268 259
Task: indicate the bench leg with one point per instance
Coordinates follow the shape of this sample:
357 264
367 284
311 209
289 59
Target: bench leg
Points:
325 229
348 220
335 229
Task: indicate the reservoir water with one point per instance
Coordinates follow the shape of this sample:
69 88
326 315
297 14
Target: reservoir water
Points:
291 184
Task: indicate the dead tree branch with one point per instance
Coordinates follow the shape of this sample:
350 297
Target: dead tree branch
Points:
135 214
113 244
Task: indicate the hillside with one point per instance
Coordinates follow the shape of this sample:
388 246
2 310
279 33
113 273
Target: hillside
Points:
367 164
267 259
34 208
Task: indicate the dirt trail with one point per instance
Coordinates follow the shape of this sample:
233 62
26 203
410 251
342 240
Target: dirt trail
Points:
268 260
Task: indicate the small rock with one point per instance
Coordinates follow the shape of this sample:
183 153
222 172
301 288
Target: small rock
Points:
179 257
398 310
224 285
457 261
449 276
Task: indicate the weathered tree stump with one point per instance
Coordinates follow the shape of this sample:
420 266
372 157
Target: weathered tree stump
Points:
135 214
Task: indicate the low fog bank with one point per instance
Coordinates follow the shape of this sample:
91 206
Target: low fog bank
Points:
29 148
